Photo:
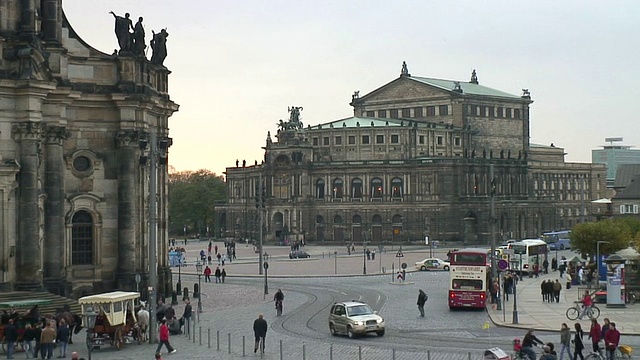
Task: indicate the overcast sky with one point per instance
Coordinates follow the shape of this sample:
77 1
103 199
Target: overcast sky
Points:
237 65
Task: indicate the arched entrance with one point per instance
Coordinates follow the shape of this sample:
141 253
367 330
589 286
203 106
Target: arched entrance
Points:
338 229
278 226
396 224
356 228
376 228
319 228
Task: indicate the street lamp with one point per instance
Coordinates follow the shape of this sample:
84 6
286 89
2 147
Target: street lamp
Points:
90 319
598 261
335 259
199 271
364 254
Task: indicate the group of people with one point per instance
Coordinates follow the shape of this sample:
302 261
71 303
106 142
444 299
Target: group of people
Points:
550 290
220 274
39 338
171 325
607 333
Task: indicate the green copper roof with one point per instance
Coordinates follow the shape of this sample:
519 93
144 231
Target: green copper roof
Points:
467 88
353 122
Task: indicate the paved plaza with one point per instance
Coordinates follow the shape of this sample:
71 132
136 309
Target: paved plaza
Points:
311 285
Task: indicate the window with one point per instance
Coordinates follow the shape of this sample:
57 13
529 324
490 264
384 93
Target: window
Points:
379 139
508 113
325 141
492 111
81 164
406 113
382 113
82 239
395 139
319 189
431 111
337 188
516 113
315 141
483 111
440 140
352 140
456 141
628 209
443 110
365 139
356 189
393 114
500 112
421 139
371 114
396 188
338 140
417 112
376 188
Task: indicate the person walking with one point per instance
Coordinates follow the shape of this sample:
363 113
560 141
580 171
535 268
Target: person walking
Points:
595 333
207 273
611 341
557 287
422 299
605 326
577 342
565 341
223 274
260 332
545 266
218 274
28 339
47 337
568 278
10 337
186 316
62 338
164 338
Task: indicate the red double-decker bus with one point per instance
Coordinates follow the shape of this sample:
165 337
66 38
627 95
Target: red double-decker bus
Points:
468 278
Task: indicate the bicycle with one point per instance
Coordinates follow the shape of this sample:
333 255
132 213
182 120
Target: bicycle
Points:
278 307
574 312
622 352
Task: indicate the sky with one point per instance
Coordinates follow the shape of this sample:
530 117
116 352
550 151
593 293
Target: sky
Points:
237 65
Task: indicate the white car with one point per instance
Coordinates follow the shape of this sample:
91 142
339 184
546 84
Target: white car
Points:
432 264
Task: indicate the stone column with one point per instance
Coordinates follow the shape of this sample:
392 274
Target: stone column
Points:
28 252
128 217
54 228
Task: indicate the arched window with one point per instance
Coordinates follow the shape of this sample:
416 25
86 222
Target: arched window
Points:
376 220
396 188
397 219
377 188
320 189
337 188
357 219
337 220
356 189
82 239
319 220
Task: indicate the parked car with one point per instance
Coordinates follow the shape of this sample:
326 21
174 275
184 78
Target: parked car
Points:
298 254
432 264
354 318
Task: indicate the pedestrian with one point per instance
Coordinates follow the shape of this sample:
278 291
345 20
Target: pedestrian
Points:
186 316
353 247
545 266
260 331
37 330
29 341
605 326
611 341
554 266
207 274
161 310
164 338
536 269
10 337
218 273
223 274
495 290
580 277
348 250
47 337
233 253
543 290
557 287
577 342
568 279
209 248
209 259
422 299
215 248
219 256
202 255
368 254
373 254
595 333
565 341
62 338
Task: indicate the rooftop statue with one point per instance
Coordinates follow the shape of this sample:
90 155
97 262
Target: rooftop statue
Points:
159 46
294 122
138 38
123 24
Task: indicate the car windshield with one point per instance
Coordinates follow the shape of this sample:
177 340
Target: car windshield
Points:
359 310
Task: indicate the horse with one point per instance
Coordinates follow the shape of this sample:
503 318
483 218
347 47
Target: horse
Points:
143 320
74 321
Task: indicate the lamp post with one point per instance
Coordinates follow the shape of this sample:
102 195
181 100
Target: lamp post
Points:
364 254
335 259
598 261
199 271
514 319
90 318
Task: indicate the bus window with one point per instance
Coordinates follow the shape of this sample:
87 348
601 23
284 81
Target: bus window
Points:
469 259
466 284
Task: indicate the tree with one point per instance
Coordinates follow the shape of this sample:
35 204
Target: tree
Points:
192 199
585 236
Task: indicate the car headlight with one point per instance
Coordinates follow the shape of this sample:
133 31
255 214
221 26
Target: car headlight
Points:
359 323
379 321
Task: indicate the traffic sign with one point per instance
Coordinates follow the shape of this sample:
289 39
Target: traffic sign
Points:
399 254
503 264
265 265
404 265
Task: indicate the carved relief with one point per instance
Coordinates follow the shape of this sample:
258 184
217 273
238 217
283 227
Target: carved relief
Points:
27 131
56 134
126 138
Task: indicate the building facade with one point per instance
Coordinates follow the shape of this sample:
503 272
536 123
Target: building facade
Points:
74 176
420 157
614 155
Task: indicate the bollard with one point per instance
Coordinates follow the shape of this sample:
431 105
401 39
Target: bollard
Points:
196 290
428 354
209 338
469 355
218 340
229 342
331 352
359 352
393 353
185 293
174 298
178 287
200 335
304 351
243 346
193 334
281 350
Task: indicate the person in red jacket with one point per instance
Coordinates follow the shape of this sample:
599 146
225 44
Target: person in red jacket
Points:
586 303
594 335
164 338
611 341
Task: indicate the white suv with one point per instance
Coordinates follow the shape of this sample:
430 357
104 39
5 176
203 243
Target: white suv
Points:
354 318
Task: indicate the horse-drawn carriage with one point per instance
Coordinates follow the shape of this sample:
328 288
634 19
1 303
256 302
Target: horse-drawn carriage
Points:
15 310
116 322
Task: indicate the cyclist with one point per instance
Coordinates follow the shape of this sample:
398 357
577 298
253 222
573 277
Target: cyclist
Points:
279 299
260 331
586 303
528 342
